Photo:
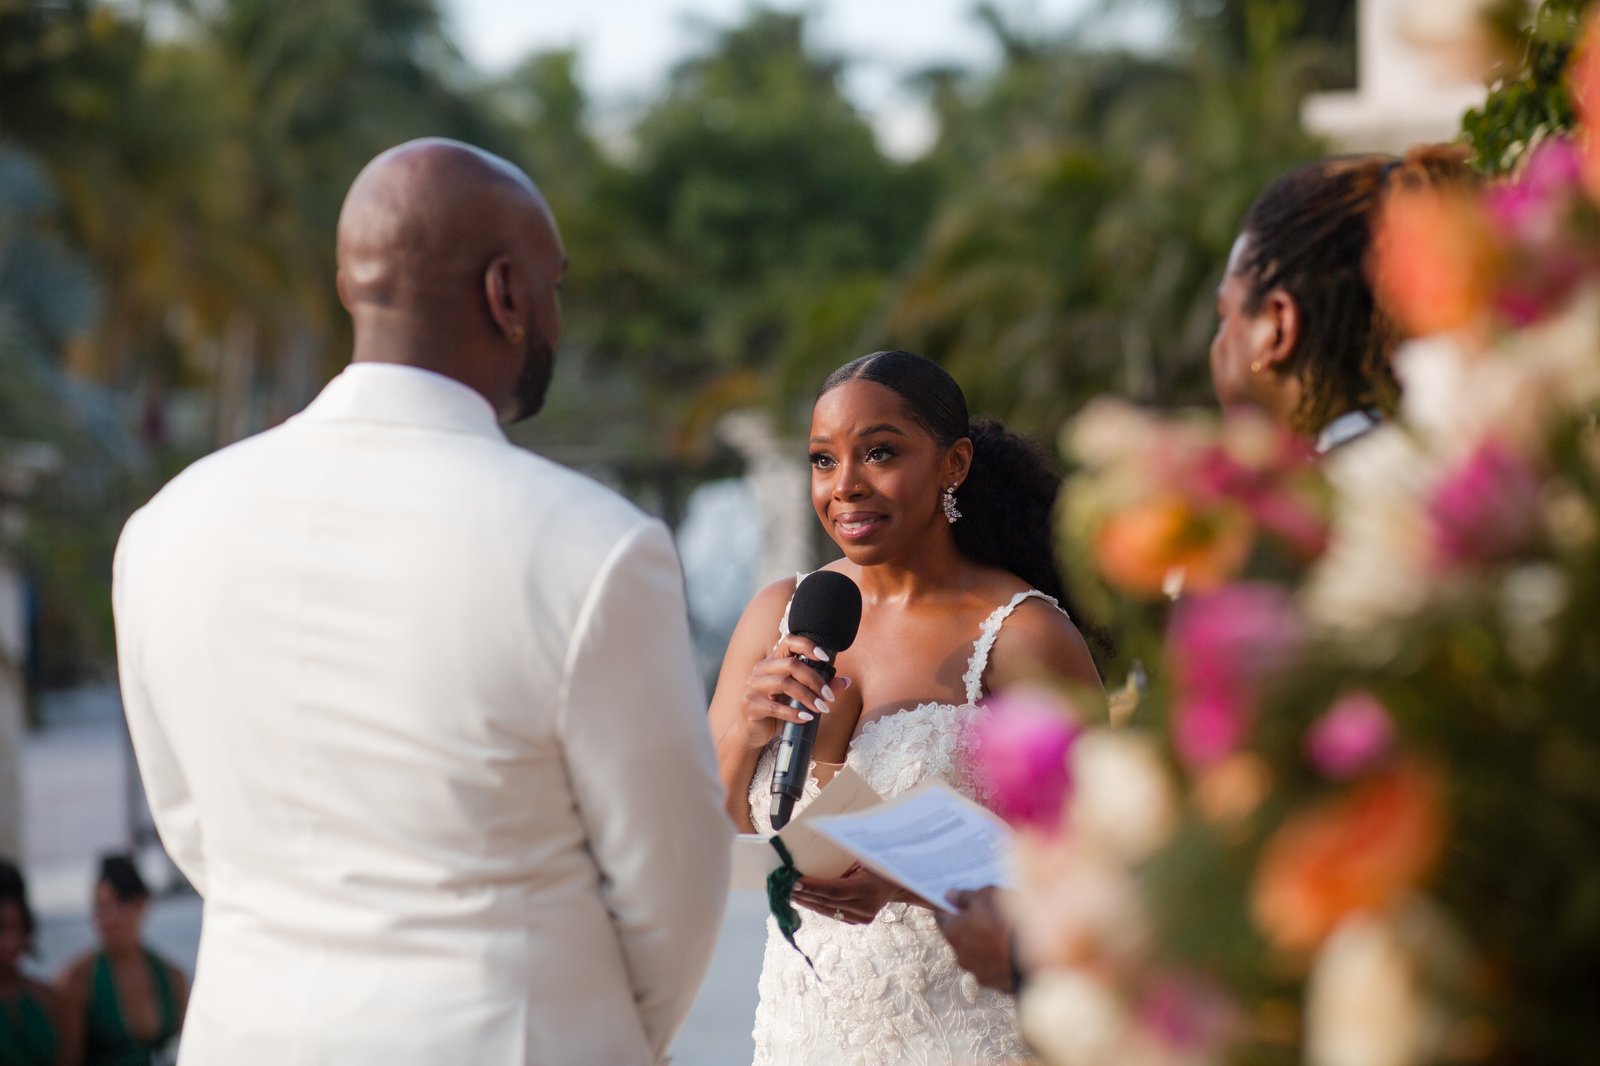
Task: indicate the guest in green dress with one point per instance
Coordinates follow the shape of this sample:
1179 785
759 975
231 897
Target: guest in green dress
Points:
29 1012
123 1002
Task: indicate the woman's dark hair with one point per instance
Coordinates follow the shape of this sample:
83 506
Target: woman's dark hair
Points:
1310 234
1009 495
14 890
118 873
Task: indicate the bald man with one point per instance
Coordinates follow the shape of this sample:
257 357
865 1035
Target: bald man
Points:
415 708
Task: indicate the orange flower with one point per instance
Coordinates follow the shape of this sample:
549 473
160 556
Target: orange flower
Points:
1583 81
1434 259
1228 792
1356 853
1137 548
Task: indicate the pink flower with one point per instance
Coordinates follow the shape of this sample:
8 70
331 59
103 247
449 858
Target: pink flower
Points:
1555 167
1533 218
1354 734
1221 647
1486 509
1531 207
1211 724
1186 1012
1265 492
1019 749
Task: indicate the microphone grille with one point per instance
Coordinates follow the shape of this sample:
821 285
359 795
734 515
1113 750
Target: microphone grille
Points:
827 609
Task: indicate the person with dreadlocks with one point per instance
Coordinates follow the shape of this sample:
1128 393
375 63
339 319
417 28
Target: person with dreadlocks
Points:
1300 334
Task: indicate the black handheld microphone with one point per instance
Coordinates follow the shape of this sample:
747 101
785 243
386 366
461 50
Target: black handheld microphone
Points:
826 610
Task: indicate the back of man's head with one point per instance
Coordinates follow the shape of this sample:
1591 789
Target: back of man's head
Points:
449 260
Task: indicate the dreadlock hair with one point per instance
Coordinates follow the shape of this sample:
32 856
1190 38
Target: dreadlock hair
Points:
1309 233
1009 494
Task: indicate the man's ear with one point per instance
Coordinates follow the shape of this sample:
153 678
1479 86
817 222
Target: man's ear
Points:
1280 313
504 297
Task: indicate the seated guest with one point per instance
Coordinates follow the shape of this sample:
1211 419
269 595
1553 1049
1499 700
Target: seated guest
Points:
29 1012
123 1002
1299 333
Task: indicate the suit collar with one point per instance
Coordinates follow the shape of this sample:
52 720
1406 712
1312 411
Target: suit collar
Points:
1347 427
404 395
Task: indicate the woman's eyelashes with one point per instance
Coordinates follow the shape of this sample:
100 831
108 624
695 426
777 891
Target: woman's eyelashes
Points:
876 453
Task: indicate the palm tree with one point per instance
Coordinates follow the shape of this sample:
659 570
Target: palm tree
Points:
1082 254
48 302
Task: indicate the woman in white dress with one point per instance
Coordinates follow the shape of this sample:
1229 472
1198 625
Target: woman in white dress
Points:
945 527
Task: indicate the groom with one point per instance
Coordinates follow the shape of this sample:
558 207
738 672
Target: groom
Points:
415 708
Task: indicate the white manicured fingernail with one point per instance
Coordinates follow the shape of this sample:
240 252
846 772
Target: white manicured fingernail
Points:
823 707
827 693
821 655
805 716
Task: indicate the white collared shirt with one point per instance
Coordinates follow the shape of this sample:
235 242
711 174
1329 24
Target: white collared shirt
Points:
1346 428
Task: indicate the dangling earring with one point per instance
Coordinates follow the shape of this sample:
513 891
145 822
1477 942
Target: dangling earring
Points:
948 499
516 335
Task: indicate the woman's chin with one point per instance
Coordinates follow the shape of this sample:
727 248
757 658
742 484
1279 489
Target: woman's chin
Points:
866 553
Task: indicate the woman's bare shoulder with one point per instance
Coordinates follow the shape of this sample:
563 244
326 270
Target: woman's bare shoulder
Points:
41 993
75 976
1038 638
758 625
178 979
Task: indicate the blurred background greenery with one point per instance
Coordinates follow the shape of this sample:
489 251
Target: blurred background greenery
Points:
170 175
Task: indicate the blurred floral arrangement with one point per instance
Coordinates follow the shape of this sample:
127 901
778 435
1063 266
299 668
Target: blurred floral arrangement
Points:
1356 819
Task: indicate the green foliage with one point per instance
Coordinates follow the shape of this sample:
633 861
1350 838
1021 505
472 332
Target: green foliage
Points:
48 298
1234 26
760 189
1530 100
740 237
1082 254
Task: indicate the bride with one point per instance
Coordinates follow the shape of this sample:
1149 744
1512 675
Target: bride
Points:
945 526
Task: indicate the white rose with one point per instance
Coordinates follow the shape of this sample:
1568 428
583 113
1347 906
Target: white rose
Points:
1376 996
1122 798
1074 905
1375 572
1071 1019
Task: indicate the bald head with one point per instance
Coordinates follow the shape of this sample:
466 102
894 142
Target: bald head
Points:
449 259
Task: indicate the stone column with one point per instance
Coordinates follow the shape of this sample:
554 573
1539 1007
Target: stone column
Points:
776 471
1421 64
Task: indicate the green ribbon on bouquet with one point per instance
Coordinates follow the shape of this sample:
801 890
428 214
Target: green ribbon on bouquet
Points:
780 891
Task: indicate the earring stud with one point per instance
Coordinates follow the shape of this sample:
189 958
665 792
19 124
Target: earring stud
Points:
1255 367
516 335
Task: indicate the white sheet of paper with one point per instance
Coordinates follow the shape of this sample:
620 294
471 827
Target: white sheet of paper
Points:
930 840
815 855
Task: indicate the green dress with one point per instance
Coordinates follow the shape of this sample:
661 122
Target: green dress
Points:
108 1042
27 1035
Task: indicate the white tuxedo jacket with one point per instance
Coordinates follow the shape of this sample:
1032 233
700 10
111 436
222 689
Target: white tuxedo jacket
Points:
416 714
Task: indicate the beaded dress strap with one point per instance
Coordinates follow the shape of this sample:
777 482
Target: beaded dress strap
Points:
989 633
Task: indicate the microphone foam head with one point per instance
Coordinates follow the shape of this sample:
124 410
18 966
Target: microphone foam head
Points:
826 609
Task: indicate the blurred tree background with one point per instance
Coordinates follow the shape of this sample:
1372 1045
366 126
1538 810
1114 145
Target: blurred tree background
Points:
170 175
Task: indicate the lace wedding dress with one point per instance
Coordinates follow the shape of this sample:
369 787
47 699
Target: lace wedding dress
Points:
888 993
